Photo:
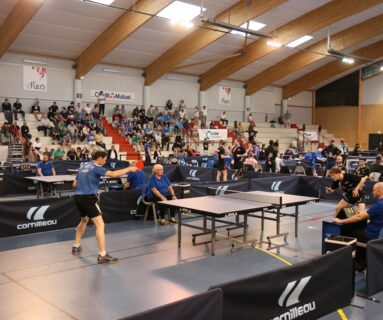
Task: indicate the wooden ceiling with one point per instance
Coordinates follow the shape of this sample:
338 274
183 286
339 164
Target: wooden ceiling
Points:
90 34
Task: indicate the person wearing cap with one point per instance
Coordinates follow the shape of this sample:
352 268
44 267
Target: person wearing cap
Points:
362 170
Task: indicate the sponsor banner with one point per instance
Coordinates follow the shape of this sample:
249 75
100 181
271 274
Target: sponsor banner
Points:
309 135
212 134
307 290
119 205
35 78
207 305
196 174
224 95
279 183
199 190
113 95
23 217
374 279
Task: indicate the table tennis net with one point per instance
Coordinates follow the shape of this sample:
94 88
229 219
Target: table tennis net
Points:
240 195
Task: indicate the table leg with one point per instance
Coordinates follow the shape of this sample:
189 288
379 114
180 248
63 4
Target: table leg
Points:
212 235
296 220
179 214
204 223
278 220
245 227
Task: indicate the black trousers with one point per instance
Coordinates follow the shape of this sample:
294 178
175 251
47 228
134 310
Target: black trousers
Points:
101 109
162 209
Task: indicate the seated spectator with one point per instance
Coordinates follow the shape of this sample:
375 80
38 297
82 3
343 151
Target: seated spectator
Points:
159 188
18 109
319 158
45 167
79 153
91 138
362 170
25 132
36 109
224 120
58 154
72 155
5 133
15 132
45 125
72 130
99 140
278 163
7 109
36 148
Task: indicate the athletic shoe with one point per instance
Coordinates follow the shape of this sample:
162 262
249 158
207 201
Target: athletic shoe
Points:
76 250
173 220
106 259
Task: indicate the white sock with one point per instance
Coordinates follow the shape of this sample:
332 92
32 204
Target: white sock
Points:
102 253
76 245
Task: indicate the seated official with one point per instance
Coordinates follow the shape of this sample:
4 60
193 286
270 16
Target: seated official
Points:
45 167
160 189
134 181
374 226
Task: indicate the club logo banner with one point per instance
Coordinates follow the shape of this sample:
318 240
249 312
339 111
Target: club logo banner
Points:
224 95
112 95
212 134
35 78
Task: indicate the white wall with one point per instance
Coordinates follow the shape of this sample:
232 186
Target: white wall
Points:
373 90
234 110
175 87
61 77
60 81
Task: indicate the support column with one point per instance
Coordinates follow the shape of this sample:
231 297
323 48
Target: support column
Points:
284 106
201 98
146 97
246 108
359 124
77 92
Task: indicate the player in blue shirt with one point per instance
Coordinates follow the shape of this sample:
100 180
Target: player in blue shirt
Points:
45 167
86 184
374 226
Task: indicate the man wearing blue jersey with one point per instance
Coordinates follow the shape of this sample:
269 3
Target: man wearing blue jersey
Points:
86 184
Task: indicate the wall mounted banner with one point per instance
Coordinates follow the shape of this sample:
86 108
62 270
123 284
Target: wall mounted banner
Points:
309 135
112 95
307 290
212 134
224 95
35 78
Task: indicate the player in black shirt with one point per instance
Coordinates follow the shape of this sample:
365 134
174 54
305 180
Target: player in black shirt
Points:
238 152
350 184
362 170
221 169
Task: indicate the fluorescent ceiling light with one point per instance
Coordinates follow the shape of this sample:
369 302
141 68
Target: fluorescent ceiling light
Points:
34 61
276 44
112 70
253 25
299 41
180 12
381 68
106 2
348 60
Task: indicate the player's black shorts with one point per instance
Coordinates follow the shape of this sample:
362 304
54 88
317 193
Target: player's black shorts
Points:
87 205
354 200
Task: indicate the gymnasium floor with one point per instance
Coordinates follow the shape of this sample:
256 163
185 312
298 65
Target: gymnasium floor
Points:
40 279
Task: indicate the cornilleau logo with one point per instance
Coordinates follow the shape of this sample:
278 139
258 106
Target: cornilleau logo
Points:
275 185
290 297
36 214
234 177
221 190
192 175
113 165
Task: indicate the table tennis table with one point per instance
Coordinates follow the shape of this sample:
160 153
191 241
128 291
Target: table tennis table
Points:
50 182
247 204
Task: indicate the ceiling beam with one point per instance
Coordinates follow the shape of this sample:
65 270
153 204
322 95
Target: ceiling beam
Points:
238 14
332 69
306 24
339 41
15 22
116 33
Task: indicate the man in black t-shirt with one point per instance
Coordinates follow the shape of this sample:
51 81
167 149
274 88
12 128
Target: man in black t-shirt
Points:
18 108
362 170
221 169
350 184
271 153
331 152
238 152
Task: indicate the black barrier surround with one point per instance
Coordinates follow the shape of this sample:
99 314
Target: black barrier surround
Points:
15 183
203 306
200 190
37 216
307 290
374 279
282 184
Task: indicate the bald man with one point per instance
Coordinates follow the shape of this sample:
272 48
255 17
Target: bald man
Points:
374 226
